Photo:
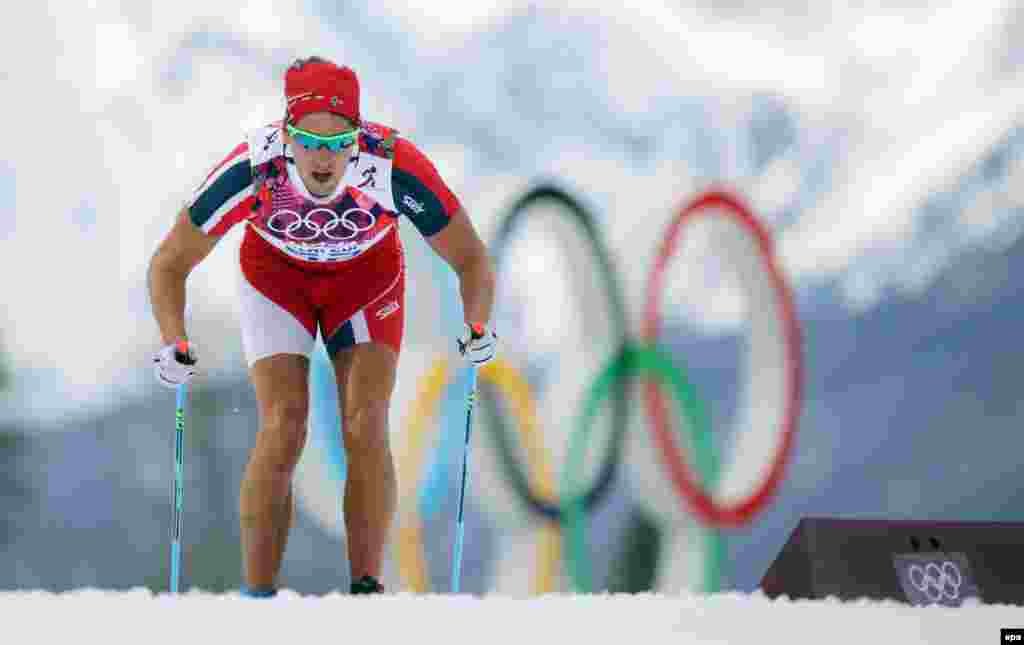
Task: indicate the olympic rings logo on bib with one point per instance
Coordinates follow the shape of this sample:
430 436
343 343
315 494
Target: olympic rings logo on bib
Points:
309 227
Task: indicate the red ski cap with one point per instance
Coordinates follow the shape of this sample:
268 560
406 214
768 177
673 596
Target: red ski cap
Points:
321 86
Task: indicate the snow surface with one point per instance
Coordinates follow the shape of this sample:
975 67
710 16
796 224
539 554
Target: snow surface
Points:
194 617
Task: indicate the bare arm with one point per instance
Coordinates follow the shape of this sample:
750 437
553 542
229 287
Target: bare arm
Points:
461 247
184 247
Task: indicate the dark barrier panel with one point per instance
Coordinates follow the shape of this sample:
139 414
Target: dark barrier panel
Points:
913 561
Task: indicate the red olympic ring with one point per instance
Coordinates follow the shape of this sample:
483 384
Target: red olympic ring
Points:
710 511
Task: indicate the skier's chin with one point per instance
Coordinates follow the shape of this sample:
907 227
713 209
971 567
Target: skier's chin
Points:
321 184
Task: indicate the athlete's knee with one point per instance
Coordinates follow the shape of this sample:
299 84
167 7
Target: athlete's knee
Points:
366 426
283 433
287 413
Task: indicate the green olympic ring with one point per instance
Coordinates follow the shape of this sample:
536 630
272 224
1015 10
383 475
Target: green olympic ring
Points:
633 360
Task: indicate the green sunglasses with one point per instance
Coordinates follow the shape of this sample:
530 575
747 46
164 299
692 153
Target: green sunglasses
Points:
311 141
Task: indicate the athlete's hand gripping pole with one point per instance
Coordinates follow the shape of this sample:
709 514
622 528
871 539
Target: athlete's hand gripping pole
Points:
478 344
175 364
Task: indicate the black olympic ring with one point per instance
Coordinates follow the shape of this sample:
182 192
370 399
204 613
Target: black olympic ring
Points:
514 470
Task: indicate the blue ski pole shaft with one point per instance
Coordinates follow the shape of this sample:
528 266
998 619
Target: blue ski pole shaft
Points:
179 487
460 526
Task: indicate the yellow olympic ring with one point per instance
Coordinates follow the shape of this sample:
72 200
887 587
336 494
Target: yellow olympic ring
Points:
511 383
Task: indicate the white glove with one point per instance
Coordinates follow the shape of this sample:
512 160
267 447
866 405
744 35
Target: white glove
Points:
175 364
478 344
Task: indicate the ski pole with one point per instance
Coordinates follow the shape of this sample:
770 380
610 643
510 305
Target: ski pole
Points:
460 527
179 486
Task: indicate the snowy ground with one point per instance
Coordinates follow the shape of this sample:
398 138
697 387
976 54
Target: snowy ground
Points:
139 616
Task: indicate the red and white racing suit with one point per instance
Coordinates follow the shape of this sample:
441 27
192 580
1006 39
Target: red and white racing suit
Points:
334 263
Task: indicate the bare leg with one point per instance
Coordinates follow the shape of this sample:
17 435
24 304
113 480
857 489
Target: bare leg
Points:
281 384
366 378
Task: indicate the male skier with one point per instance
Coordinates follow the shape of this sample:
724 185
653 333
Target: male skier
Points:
320 194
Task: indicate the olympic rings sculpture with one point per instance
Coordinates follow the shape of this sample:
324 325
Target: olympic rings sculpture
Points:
699 501
508 381
692 489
